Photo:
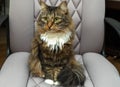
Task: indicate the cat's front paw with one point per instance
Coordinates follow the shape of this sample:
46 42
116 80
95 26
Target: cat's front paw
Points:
41 74
51 82
38 74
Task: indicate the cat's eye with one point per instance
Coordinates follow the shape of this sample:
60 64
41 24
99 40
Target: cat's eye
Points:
44 19
58 19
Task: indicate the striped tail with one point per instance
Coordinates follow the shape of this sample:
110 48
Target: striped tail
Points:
72 77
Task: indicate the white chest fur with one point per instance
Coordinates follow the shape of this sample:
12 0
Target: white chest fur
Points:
55 40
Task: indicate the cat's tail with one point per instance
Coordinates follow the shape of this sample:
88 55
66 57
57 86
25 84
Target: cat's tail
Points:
72 77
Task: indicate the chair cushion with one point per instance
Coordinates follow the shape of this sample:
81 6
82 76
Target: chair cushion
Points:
39 82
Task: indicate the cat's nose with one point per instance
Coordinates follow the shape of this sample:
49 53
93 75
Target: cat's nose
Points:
49 24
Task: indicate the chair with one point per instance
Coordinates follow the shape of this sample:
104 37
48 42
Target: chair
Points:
88 16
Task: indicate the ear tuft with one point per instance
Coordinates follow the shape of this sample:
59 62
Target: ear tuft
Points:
42 4
63 6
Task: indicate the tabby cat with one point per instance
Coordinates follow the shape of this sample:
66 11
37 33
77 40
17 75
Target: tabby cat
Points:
52 55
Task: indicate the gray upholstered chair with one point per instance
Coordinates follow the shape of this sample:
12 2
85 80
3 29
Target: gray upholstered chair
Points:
88 16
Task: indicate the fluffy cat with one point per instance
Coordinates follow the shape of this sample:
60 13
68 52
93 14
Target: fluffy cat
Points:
52 55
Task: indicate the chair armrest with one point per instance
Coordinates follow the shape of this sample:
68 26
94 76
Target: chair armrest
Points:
14 72
101 71
114 23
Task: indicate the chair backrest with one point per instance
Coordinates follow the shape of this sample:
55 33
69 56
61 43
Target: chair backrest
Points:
88 16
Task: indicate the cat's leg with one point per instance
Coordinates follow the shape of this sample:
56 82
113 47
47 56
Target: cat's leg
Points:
56 72
72 74
35 68
34 62
51 74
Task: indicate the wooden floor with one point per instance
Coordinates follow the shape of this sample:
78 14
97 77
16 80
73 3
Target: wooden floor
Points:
115 62
3 52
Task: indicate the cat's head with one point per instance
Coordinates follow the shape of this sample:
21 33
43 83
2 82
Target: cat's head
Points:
55 19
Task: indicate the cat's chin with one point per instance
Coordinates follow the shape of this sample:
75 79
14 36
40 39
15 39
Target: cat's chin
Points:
51 82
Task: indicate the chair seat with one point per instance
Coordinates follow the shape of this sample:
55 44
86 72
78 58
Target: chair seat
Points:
97 68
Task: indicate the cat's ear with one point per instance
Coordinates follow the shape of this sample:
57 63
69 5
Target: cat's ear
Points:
42 4
63 6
